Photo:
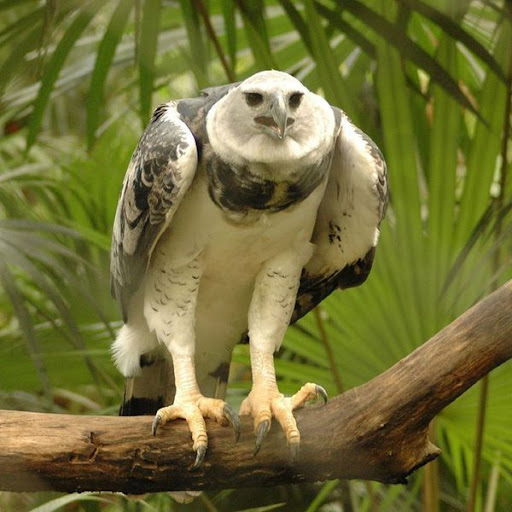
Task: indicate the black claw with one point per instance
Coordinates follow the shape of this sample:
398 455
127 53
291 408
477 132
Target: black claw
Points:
156 422
321 391
234 420
294 450
263 429
201 451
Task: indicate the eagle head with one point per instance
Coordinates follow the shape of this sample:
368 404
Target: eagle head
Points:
272 104
270 117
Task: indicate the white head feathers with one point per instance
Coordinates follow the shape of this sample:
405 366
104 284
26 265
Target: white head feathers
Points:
271 118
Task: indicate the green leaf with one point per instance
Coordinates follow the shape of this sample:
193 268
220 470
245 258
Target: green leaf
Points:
228 12
266 508
104 57
147 53
9 285
198 59
330 77
441 175
324 493
298 22
41 280
256 32
54 67
22 25
485 144
334 17
453 29
16 57
408 49
62 501
9 4
399 148
303 345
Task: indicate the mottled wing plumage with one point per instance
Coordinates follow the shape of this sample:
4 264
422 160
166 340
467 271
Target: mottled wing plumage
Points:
160 172
347 226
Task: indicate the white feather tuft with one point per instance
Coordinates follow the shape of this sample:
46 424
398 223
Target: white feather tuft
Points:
130 343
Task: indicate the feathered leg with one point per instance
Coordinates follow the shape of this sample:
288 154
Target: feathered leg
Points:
269 315
190 405
169 308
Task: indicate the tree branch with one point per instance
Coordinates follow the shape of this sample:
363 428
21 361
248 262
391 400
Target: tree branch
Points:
378 431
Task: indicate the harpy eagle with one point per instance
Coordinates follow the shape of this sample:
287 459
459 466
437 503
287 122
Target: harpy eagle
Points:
240 211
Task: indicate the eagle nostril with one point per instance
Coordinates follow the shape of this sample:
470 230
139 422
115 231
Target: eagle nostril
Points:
266 121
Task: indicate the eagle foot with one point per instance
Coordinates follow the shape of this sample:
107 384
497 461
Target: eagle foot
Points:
266 402
194 412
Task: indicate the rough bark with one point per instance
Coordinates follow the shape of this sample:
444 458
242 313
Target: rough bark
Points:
378 431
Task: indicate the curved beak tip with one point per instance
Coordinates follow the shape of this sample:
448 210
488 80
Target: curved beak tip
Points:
277 123
282 126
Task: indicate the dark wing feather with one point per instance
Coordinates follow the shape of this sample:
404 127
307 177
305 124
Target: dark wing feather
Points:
160 172
347 227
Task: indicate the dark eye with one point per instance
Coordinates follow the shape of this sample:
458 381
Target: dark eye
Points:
295 99
253 99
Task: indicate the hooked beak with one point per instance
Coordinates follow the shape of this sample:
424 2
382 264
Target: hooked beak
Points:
278 121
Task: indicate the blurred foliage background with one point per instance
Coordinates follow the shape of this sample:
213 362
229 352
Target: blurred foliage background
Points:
429 80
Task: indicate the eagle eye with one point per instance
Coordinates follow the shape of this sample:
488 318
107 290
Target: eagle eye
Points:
253 99
295 99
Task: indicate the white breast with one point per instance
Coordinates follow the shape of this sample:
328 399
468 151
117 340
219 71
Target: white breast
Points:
232 255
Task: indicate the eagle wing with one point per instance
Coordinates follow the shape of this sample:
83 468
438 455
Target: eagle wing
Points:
347 226
158 176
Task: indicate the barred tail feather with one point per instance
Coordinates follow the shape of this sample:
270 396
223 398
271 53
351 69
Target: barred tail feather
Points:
151 389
